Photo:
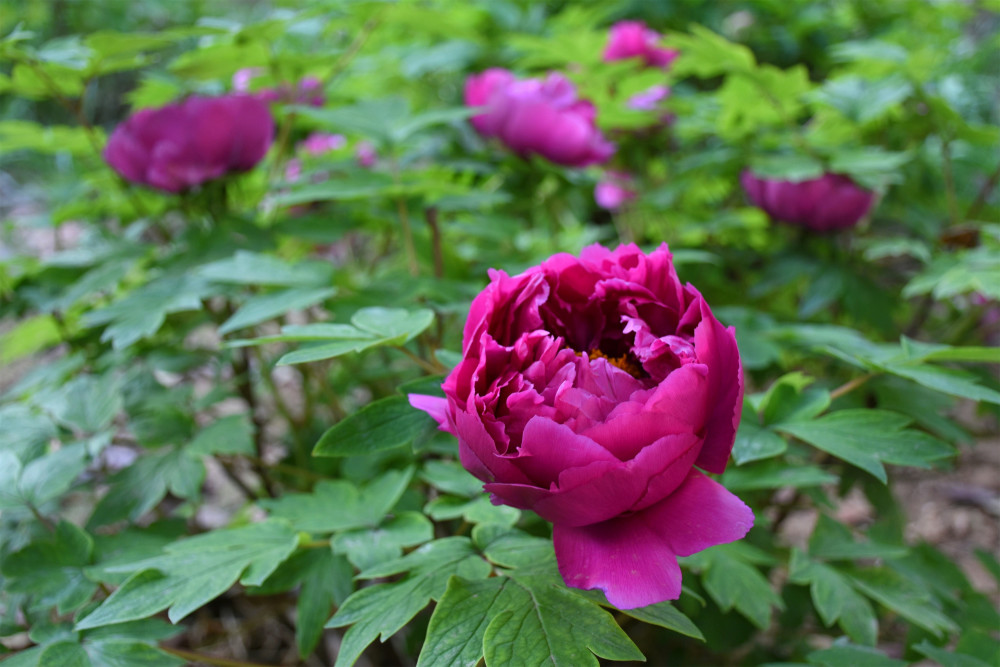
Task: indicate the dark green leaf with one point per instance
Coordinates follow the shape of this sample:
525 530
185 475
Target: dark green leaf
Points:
775 475
846 655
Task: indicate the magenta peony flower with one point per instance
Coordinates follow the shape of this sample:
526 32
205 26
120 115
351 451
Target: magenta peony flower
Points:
588 391
632 39
614 190
822 204
537 116
182 145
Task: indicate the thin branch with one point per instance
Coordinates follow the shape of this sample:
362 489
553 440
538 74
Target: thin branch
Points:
984 193
431 216
850 386
949 183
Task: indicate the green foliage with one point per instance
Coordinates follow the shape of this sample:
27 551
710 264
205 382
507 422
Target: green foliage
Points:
204 397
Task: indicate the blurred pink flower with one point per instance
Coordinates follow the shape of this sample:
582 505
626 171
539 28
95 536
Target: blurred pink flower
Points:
649 99
318 143
293 170
365 154
614 190
537 116
823 204
309 90
181 145
632 39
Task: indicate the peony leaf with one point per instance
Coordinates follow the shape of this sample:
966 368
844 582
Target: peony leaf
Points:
336 505
847 655
835 598
193 571
382 609
264 307
383 424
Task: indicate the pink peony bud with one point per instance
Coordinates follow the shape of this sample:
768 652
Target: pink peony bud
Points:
182 145
537 116
591 390
649 99
632 39
823 204
614 190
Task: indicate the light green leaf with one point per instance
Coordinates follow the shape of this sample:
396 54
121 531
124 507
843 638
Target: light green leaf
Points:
336 505
451 477
367 547
383 424
476 510
755 442
232 434
395 326
250 268
64 654
193 571
264 307
542 622
867 438
666 616
383 609
775 475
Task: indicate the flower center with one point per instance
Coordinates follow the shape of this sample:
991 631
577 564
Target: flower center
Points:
627 362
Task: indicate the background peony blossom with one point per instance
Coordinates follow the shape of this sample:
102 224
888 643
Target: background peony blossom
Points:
590 390
365 154
182 145
319 143
823 204
537 116
632 39
614 190
309 89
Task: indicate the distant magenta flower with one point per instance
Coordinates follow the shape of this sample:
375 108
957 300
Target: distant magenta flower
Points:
649 99
823 204
365 154
319 143
182 145
614 190
589 389
537 116
632 39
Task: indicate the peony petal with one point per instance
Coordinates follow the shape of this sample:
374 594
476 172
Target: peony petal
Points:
633 558
716 347
548 449
435 406
478 451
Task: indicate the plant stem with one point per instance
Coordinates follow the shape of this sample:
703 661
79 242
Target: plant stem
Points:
404 222
200 658
44 520
984 193
949 183
850 386
431 215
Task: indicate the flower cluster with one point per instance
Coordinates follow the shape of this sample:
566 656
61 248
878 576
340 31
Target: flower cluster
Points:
591 389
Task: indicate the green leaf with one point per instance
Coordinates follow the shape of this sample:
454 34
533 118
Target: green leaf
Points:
512 548
143 311
947 658
946 380
250 268
788 400
835 598
29 336
846 655
64 654
48 477
775 475
229 435
193 571
264 307
383 609
52 569
369 327
476 510
88 403
368 547
833 541
544 623
455 633
451 477
383 424
867 438
666 616
904 597
755 442
336 505
733 582
326 581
